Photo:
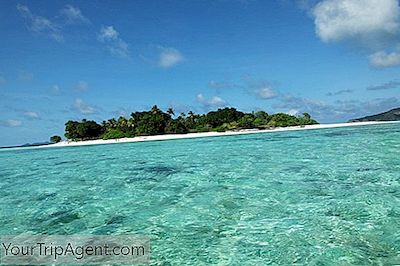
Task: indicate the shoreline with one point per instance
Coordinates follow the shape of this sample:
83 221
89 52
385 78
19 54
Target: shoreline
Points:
197 135
207 134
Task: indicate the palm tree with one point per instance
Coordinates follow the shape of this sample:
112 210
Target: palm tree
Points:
192 117
131 123
170 111
122 123
154 110
111 123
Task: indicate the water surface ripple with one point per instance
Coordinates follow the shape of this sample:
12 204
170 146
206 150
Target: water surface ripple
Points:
316 197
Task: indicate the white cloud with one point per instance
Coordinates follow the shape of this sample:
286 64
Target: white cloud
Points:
216 101
261 88
338 111
383 59
122 111
83 108
306 5
73 15
373 25
11 123
293 112
315 107
212 102
218 85
361 21
266 93
170 57
117 46
40 25
108 33
81 86
31 115
200 98
120 49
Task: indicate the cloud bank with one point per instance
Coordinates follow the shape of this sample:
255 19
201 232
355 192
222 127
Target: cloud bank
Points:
266 93
170 57
385 86
73 15
11 123
39 24
210 103
83 108
31 115
117 46
373 25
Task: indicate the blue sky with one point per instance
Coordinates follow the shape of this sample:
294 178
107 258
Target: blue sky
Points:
61 60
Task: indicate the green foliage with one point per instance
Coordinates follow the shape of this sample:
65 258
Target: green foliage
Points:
202 128
149 123
226 115
283 120
156 122
306 120
221 128
176 127
82 130
232 125
55 139
261 115
247 121
259 122
114 133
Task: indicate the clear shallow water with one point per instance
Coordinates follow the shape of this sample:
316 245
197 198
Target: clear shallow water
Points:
317 197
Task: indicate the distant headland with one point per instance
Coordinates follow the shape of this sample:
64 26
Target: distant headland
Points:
391 115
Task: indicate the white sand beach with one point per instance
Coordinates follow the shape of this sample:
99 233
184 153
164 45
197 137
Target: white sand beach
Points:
206 134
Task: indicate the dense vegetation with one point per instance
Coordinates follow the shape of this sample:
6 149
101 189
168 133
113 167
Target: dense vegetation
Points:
55 139
156 122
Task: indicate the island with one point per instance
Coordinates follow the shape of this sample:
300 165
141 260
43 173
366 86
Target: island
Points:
391 115
157 122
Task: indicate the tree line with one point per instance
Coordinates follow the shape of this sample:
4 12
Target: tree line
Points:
157 122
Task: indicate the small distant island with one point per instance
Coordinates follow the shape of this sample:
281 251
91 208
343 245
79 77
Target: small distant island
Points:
391 115
157 122
36 144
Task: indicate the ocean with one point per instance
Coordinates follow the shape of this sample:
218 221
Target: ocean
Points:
312 197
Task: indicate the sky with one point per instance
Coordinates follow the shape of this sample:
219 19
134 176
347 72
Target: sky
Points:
69 60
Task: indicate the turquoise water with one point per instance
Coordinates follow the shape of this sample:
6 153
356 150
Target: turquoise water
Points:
316 197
